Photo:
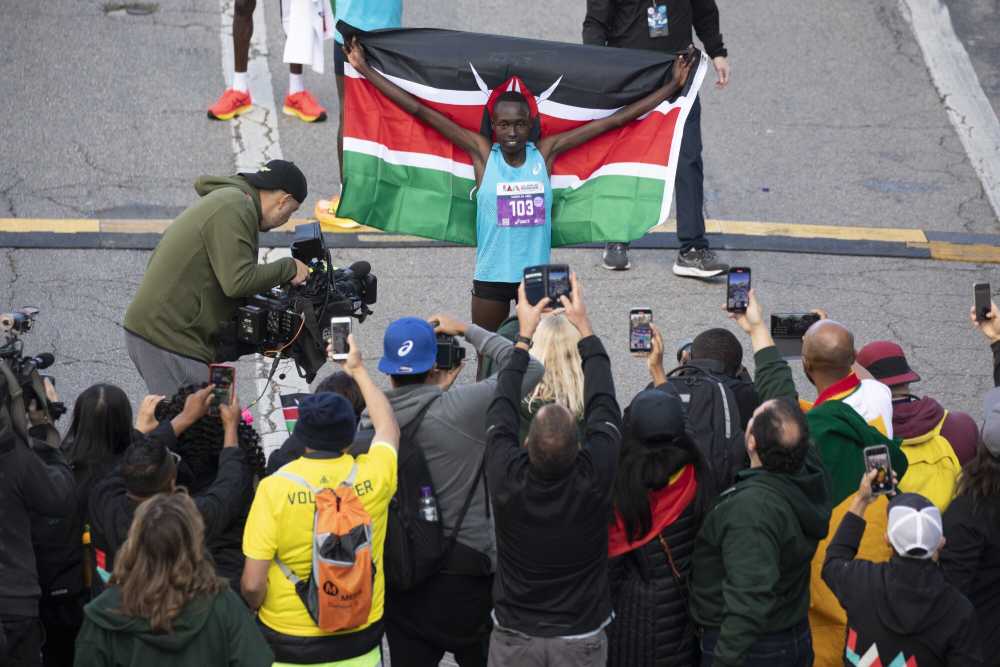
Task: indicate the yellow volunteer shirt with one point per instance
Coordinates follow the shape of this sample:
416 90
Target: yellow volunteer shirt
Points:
281 524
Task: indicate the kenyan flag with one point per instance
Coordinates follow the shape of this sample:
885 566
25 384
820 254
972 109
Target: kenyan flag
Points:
403 177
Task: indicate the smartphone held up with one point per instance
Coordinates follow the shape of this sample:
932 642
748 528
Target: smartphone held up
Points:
640 330
738 289
223 377
877 459
984 301
547 280
340 329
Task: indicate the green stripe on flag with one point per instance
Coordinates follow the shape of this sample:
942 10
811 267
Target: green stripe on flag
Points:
606 208
408 200
435 204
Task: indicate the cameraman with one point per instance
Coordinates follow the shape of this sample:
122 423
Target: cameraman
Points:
204 265
35 479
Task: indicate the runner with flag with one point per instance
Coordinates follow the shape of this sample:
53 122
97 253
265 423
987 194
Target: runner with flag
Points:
513 188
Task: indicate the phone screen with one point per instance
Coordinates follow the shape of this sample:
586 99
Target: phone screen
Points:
983 301
877 458
534 284
340 329
640 331
558 283
738 290
223 378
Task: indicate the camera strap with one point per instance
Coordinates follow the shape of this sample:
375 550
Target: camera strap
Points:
19 411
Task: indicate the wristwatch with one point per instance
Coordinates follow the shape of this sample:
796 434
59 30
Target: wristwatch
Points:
522 339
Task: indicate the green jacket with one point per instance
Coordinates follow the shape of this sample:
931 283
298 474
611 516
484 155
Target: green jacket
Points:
217 630
202 268
751 561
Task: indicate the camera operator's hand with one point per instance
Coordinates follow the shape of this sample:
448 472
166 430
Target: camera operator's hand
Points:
990 327
654 358
446 324
301 272
145 420
752 322
230 415
576 309
823 315
528 316
354 363
196 406
36 415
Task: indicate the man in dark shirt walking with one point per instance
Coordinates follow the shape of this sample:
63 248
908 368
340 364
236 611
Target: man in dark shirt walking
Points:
551 502
666 26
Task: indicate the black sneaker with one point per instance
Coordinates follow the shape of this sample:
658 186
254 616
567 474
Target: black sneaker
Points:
616 257
698 263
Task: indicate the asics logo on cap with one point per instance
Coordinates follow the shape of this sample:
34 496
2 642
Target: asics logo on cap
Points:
405 348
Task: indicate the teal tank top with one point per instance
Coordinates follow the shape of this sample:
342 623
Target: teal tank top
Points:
513 217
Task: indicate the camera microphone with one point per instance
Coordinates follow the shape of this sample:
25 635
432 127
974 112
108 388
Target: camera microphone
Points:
360 269
42 361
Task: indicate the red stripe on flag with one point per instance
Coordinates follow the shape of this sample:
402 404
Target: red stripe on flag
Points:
370 116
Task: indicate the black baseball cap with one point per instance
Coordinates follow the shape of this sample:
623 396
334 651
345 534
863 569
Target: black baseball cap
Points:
279 175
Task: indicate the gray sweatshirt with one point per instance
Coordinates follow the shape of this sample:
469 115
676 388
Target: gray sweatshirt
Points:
453 437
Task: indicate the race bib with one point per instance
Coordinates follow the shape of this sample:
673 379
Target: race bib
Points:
656 18
521 204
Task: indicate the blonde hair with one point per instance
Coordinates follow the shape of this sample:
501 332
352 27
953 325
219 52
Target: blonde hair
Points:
163 564
555 346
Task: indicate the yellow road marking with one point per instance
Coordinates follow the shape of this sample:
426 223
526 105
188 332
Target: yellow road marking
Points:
69 226
794 230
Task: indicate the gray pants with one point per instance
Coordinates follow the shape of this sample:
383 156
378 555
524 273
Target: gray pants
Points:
509 648
163 372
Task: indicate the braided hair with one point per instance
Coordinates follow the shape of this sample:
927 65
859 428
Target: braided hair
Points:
199 445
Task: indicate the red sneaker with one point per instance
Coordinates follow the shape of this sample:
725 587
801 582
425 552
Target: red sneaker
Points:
305 107
232 103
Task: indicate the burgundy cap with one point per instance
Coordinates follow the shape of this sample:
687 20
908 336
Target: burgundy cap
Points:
887 363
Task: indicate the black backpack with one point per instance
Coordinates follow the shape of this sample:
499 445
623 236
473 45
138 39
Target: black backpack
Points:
713 417
415 549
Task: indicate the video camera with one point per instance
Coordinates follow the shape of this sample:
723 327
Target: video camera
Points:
21 369
293 321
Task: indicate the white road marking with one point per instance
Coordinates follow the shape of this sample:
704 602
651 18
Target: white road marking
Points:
955 78
255 141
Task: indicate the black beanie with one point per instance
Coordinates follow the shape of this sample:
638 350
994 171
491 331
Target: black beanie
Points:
656 416
326 422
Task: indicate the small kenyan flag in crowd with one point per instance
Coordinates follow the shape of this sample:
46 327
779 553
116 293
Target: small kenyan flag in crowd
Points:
290 409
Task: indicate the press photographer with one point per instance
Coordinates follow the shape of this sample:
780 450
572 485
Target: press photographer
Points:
203 268
35 479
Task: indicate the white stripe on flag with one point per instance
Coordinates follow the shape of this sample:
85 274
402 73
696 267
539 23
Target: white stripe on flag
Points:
476 98
409 159
460 170
636 169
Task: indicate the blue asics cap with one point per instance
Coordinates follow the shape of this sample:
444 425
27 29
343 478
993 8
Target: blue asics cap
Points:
408 347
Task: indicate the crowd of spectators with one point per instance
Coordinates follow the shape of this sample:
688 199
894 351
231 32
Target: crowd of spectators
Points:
572 532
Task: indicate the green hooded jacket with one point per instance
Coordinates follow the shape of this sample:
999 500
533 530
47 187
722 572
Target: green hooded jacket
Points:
751 560
210 630
202 268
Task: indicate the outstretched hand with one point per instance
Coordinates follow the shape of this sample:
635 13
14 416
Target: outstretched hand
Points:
683 64
990 327
528 316
355 54
576 309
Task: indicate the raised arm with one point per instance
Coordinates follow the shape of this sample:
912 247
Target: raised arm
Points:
379 409
473 143
551 147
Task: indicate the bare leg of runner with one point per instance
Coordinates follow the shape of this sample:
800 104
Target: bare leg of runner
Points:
242 32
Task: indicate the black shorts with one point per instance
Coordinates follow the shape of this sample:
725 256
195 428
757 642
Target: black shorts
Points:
502 292
338 58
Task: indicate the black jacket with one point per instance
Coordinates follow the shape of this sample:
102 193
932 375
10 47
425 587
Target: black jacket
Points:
971 562
221 504
652 627
623 23
552 534
38 481
904 607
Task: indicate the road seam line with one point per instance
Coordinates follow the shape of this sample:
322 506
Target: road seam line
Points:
954 76
256 140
